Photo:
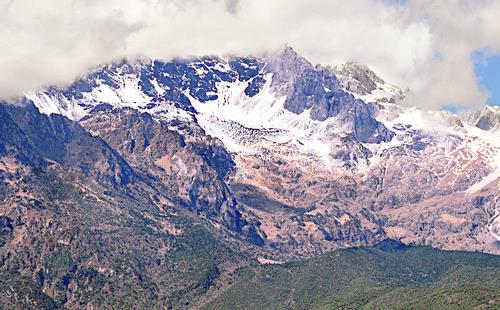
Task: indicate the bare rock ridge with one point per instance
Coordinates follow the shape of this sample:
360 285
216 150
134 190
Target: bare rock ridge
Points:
292 158
487 118
149 182
36 140
357 78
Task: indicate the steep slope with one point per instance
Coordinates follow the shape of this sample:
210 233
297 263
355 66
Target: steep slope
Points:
84 245
74 229
36 139
20 292
189 170
320 157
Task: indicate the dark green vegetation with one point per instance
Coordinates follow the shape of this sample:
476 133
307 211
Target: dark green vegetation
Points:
78 224
86 248
371 278
362 278
18 292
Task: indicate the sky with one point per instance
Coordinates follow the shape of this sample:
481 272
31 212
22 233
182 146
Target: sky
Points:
487 69
429 47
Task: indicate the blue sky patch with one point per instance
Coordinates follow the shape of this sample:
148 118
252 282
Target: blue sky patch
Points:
487 69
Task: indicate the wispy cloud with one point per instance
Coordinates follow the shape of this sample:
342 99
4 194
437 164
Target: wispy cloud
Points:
421 44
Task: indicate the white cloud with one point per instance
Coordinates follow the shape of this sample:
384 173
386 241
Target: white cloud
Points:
424 45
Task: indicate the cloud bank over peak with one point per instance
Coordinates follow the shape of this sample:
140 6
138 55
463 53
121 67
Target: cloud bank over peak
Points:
423 45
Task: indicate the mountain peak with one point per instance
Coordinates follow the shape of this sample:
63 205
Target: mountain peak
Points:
486 118
286 65
357 77
287 58
287 50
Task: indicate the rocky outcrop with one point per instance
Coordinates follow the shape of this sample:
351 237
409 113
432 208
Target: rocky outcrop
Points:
189 170
317 89
38 139
487 118
357 78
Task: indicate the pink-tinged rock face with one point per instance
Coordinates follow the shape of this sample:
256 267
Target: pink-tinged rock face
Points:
298 158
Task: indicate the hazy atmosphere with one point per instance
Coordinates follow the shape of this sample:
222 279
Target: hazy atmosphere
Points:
424 45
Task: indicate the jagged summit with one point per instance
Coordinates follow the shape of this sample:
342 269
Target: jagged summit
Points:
286 65
342 116
288 62
358 78
362 81
486 118
285 89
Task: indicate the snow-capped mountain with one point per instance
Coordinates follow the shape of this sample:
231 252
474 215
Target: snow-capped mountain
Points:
324 157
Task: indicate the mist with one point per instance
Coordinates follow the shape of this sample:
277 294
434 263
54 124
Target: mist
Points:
423 45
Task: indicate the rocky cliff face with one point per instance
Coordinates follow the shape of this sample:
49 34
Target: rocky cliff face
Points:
358 78
81 227
37 140
289 158
487 118
164 172
190 170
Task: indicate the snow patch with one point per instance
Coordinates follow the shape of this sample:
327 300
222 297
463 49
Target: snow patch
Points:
495 175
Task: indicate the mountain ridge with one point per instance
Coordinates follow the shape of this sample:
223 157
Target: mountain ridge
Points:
312 123
167 183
